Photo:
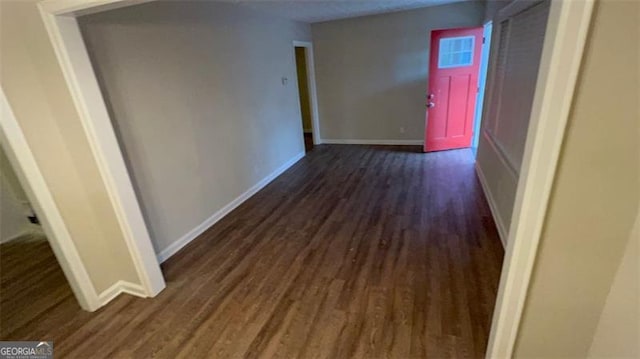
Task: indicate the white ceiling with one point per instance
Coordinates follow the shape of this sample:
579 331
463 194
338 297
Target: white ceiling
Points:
316 11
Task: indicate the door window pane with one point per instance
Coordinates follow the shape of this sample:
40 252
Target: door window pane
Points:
455 52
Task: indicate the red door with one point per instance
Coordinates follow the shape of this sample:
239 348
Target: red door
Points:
453 83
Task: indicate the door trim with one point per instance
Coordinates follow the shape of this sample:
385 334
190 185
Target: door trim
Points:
564 43
59 17
311 83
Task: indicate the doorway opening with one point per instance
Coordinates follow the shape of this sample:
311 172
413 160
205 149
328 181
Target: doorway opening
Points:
457 73
305 100
31 279
569 24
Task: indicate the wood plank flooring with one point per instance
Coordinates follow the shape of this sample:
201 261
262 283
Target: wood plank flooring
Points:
31 282
356 251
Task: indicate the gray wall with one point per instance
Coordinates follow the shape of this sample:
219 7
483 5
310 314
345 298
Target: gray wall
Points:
492 8
510 89
196 95
371 71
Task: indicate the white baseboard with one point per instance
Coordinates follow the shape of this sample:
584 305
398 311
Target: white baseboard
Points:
373 142
14 237
120 287
502 229
31 230
198 230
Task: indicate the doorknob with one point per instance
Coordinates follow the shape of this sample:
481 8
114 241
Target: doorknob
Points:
430 105
430 96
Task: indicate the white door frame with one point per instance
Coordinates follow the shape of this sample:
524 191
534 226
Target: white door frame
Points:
311 83
482 84
59 18
563 47
22 160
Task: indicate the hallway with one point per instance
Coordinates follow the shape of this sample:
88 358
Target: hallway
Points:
356 251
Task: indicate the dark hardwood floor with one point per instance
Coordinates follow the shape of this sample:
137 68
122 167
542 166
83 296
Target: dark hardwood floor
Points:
356 251
31 282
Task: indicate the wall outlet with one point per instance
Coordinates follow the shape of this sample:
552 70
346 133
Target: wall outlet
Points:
401 129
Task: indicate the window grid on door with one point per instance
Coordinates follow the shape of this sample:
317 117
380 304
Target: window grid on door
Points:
455 52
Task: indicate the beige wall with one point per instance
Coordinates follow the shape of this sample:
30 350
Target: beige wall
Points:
197 98
33 83
14 205
371 72
618 331
595 198
303 88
